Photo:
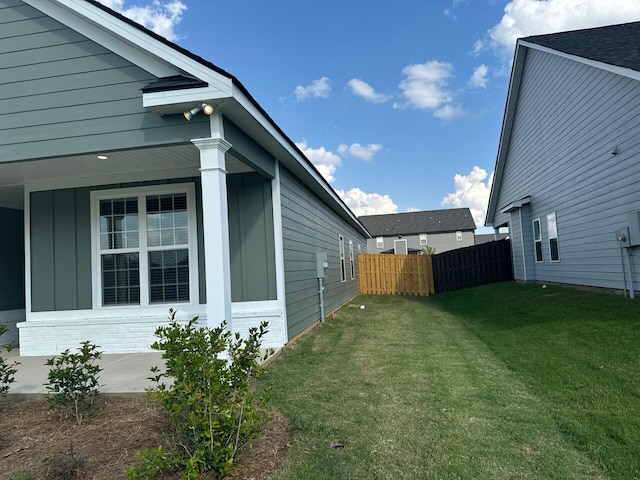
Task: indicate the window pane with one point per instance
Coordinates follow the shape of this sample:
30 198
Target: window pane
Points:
169 276
166 237
120 279
119 223
538 251
553 249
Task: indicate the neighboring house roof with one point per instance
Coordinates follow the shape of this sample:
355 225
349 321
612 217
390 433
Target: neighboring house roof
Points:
613 48
414 223
489 237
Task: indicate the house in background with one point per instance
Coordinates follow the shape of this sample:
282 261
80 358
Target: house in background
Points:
135 177
567 176
411 232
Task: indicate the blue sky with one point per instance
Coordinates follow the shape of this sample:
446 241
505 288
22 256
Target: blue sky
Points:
398 104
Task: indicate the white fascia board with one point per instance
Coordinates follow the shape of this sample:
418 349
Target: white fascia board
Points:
625 72
127 41
190 96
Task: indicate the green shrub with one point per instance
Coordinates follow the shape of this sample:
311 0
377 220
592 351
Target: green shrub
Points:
212 409
7 370
73 381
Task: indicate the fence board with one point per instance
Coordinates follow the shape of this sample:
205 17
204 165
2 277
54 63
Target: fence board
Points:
472 266
382 274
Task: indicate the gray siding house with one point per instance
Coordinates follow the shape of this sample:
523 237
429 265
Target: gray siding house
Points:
567 176
135 177
411 232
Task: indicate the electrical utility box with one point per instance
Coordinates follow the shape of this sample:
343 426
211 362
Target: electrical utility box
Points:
634 229
321 264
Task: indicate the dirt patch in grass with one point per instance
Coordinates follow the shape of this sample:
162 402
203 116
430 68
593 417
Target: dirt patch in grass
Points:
35 443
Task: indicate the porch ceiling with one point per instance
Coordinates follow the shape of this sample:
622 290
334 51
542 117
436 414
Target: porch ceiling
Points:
82 169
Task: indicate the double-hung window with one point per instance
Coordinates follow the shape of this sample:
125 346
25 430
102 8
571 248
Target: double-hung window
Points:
552 231
144 245
537 239
423 239
343 267
352 262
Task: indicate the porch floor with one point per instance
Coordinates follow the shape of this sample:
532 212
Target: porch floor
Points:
121 373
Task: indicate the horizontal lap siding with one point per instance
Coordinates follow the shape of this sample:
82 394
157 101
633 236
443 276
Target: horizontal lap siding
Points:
569 119
61 94
309 226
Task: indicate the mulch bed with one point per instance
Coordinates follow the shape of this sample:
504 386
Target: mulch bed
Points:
34 440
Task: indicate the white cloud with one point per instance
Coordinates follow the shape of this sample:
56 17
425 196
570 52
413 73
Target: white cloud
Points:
161 17
318 88
523 18
362 203
363 152
366 91
448 113
325 161
472 191
424 85
479 78
413 209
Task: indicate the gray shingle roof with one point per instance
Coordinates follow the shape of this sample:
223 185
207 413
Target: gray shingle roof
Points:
614 44
414 223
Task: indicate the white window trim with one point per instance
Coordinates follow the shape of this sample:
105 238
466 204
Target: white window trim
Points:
402 240
459 236
351 261
379 242
97 195
552 233
538 239
343 265
423 239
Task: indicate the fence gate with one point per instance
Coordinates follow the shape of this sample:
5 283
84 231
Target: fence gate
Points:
382 274
472 266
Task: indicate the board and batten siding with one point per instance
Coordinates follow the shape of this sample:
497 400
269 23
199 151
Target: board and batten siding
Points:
251 241
310 226
63 94
61 243
569 119
11 259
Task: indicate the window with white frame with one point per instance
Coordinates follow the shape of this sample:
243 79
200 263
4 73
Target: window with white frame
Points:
343 267
537 239
351 261
459 236
552 231
423 239
145 245
379 242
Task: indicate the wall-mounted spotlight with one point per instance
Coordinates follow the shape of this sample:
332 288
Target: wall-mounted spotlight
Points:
205 107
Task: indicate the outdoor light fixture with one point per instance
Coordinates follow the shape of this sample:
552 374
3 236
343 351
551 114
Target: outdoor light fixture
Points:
205 107
102 157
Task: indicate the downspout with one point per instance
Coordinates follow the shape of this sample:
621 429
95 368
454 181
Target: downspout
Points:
622 236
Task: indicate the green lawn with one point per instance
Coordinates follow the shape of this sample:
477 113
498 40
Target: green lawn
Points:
499 382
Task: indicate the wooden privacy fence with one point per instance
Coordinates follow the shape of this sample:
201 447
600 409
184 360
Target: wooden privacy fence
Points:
382 274
472 266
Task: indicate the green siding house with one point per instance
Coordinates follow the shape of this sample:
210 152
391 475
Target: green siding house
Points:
116 207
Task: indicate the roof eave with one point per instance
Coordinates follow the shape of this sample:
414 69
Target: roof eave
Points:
507 128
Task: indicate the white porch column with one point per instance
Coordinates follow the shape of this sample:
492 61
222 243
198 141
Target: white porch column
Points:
215 221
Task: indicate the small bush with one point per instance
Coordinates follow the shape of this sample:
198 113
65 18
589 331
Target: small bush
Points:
73 381
7 370
212 408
